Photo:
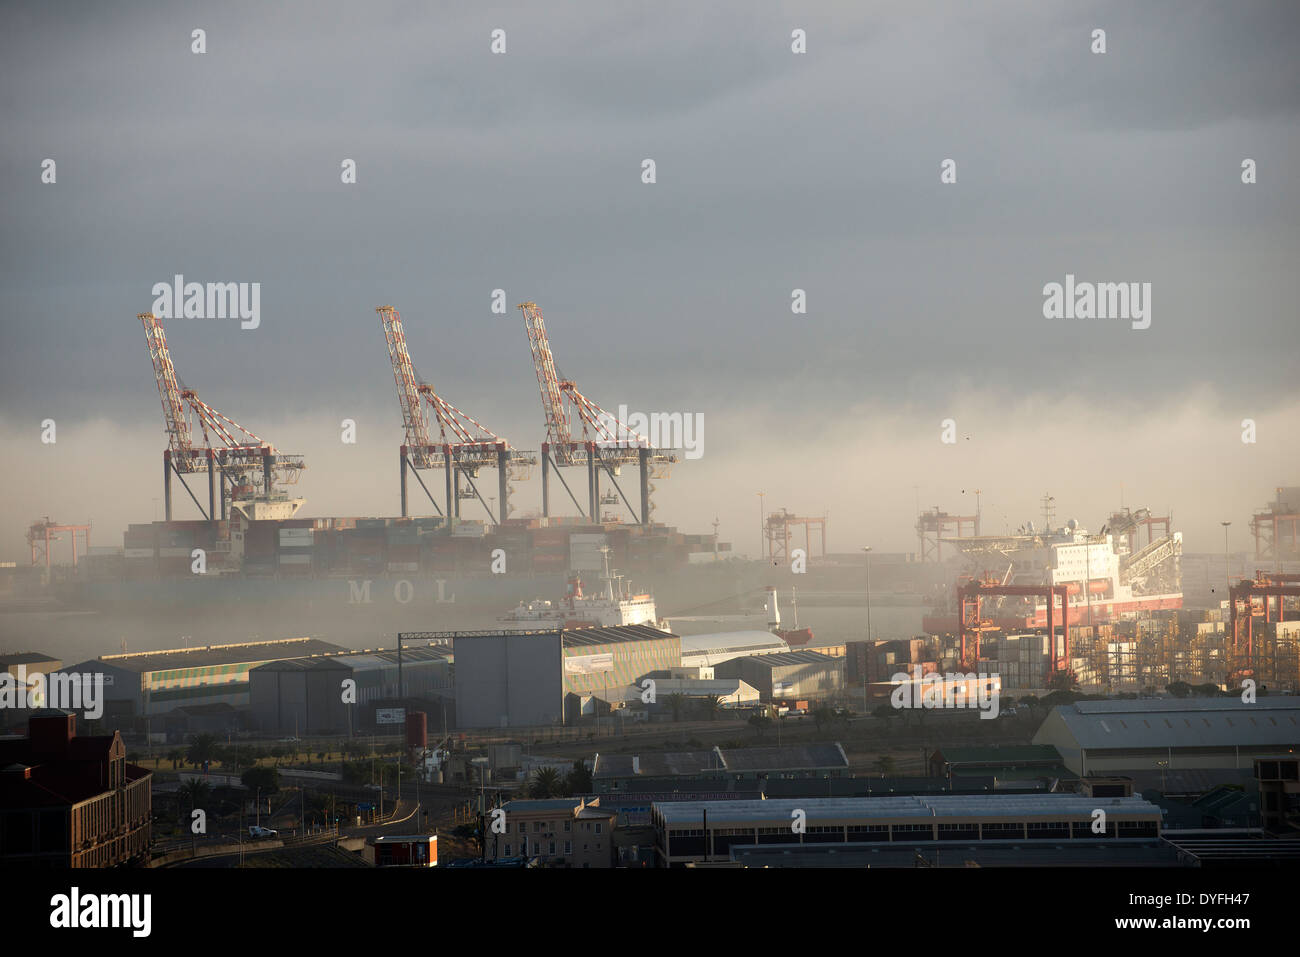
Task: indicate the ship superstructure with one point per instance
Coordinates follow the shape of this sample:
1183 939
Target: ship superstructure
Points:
616 604
1106 575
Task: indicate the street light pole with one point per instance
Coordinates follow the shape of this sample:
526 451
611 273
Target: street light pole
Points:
866 652
866 551
1227 570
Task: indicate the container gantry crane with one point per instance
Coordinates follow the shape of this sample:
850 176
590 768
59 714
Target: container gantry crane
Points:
463 447
606 444
42 531
231 454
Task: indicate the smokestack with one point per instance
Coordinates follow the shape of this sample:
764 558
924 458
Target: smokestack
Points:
773 613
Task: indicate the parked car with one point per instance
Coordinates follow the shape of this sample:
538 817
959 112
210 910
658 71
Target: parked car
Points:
255 832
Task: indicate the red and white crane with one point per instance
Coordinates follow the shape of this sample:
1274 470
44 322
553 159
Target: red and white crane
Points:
464 445
230 453
606 443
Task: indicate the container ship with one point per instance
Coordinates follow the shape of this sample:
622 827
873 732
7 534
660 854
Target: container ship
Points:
1106 576
468 571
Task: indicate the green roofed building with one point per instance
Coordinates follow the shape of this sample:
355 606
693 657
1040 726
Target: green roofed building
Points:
150 683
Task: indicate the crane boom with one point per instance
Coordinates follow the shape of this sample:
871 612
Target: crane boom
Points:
408 384
179 438
557 420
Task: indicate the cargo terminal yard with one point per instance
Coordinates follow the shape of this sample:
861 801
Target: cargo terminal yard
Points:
649 676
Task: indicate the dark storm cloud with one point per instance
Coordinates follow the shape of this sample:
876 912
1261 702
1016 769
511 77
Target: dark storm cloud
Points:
522 172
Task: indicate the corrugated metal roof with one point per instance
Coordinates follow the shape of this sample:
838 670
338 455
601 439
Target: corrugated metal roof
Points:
787 658
615 634
253 651
927 807
730 641
1196 723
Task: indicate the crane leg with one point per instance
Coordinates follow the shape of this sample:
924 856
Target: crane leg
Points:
503 461
167 486
402 471
546 482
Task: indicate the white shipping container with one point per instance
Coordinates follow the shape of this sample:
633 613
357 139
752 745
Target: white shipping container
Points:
297 537
295 559
403 566
468 530
138 552
176 552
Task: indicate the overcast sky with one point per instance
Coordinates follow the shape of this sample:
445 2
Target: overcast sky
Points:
775 171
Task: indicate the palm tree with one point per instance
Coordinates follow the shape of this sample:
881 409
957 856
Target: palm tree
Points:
760 723
546 783
202 749
175 756
193 794
675 703
885 765
708 706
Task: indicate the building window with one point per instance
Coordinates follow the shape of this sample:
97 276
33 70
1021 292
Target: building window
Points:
507 850
568 847
523 827
568 825
597 828
537 827
552 848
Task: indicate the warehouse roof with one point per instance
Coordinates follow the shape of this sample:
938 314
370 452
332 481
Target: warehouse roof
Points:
248 651
1179 723
585 637
322 663
785 659
730 644
13 659
985 853
1012 807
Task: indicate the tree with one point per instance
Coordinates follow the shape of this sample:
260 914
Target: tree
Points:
823 715
760 723
1179 689
885 765
193 793
1063 681
266 780
202 750
175 756
318 807
578 780
885 711
545 784
708 706
676 703
278 753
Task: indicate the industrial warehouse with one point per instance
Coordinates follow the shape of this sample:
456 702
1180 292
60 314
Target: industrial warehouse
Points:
700 831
